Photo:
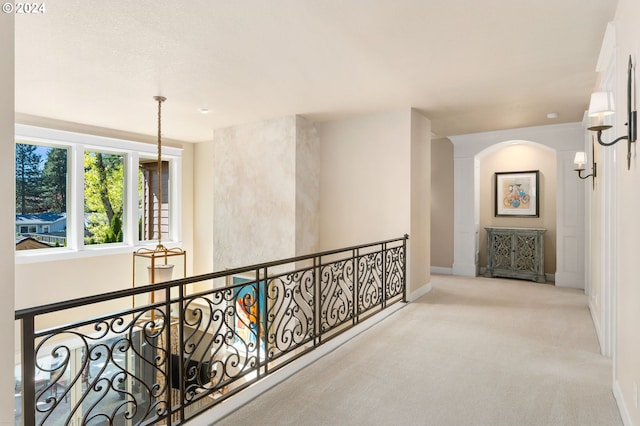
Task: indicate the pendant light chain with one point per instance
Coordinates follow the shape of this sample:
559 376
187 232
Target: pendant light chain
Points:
160 99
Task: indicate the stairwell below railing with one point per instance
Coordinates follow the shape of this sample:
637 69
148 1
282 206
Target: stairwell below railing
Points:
169 361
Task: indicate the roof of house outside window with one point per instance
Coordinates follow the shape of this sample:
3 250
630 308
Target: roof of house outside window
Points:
39 218
28 243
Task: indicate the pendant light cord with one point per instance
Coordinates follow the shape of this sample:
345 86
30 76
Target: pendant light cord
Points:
160 99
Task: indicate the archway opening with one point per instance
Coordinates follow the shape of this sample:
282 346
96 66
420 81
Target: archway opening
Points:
517 156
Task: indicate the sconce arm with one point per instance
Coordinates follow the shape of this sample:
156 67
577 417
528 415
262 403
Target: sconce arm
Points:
621 138
580 174
594 174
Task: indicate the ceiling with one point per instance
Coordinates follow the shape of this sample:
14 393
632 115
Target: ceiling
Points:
469 66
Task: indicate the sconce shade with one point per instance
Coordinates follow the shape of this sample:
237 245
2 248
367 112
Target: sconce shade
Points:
580 159
601 104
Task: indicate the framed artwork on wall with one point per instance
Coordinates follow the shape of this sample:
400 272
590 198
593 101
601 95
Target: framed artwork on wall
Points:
516 194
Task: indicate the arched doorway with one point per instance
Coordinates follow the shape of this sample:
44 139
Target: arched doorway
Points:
564 140
519 157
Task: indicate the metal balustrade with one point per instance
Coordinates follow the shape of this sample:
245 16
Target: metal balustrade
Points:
204 339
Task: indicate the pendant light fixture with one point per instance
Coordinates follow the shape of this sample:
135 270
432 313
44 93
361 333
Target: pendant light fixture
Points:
154 263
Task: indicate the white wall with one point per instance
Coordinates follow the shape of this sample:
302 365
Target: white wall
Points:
42 283
365 188
375 184
595 256
420 239
627 351
601 217
7 216
442 206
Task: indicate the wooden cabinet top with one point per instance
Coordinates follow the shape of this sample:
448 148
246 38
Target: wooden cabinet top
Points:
507 228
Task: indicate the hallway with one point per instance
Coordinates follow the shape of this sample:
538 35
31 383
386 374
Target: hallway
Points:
474 351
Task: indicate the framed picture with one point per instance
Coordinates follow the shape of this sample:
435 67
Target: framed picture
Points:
516 194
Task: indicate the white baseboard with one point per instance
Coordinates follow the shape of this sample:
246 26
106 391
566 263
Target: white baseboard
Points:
420 292
622 406
233 403
466 270
441 270
596 325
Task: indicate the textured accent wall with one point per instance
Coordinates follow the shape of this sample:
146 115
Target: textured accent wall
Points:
307 188
265 194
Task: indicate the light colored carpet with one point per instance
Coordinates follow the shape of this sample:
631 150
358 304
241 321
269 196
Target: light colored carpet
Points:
474 351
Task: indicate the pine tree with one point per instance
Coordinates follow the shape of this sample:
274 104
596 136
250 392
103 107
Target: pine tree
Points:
28 178
54 180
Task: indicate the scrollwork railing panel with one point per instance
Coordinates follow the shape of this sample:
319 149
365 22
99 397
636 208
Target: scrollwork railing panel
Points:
394 267
369 281
336 294
290 314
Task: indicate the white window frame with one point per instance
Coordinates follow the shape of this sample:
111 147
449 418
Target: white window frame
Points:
78 143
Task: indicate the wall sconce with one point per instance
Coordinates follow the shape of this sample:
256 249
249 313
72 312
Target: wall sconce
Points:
580 159
602 104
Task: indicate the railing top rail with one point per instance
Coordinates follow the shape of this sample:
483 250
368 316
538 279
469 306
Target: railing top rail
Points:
99 298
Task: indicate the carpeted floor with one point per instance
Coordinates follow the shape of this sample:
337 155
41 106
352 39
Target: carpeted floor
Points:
474 351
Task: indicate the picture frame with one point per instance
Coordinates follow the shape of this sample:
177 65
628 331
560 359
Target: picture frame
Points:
517 194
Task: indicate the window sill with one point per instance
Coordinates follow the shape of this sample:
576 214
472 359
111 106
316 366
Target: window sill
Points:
55 254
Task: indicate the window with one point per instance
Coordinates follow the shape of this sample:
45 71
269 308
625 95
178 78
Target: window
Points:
103 197
76 192
28 229
41 194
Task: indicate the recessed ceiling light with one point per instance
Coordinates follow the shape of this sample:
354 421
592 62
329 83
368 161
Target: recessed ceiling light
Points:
204 110
552 115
